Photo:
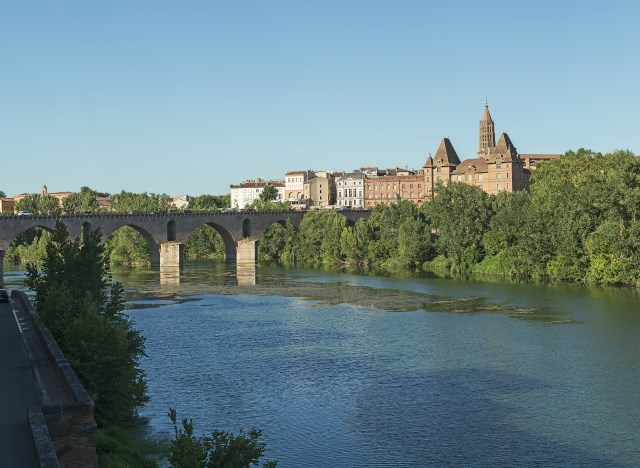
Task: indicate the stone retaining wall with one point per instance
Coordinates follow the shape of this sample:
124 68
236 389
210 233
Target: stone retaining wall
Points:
67 408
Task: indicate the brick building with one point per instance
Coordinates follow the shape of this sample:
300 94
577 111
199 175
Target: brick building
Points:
395 184
497 168
7 205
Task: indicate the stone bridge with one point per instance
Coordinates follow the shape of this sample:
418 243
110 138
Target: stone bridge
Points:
166 233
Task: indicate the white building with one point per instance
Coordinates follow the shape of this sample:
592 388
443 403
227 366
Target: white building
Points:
247 192
181 202
350 190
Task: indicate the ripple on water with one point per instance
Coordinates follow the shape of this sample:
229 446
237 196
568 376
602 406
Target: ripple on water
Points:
335 385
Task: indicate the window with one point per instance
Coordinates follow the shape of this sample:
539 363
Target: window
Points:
469 176
439 178
419 194
403 185
499 176
479 176
498 165
438 169
499 187
459 178
410 186
419 185
410 194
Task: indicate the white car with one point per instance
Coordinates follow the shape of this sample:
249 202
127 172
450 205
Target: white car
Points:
25 213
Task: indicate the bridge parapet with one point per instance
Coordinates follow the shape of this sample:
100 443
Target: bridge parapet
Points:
160 228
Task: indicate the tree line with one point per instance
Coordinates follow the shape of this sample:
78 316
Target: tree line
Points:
86 202
578 223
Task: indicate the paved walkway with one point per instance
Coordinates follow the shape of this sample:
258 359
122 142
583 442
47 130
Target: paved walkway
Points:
18 391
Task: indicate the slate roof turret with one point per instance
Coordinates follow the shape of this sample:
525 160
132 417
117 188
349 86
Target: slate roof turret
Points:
446 154
505 147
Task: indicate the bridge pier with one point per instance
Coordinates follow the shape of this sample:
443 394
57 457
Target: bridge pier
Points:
171 254
247 251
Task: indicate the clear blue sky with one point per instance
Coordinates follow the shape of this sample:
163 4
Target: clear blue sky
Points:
191 96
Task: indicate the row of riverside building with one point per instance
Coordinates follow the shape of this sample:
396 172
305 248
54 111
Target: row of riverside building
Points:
498 168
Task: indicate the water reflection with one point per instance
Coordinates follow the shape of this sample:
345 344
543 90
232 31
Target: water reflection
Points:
246 274
169 276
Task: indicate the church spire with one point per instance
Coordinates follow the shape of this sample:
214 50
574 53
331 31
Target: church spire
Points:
487 132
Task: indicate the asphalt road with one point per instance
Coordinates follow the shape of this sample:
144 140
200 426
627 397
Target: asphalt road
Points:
18 391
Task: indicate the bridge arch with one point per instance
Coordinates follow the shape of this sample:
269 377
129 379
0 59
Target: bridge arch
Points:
17 234
227 238
154 247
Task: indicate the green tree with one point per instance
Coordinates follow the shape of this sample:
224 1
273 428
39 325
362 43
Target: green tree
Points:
319 237
39 204
29 247
614 253
354 242
269 193
2 194
126 202
209 202
205 243
127 247
279 243
83 311
82 202
220 450
29 203
385 222
459 214
414 243
261 205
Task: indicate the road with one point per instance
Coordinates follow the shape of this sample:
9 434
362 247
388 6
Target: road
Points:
18 391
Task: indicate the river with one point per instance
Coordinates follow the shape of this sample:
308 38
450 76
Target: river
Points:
345 370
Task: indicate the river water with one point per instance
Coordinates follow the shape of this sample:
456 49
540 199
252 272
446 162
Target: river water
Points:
346 370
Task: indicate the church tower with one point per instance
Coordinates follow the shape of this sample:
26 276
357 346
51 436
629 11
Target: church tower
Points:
487 133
